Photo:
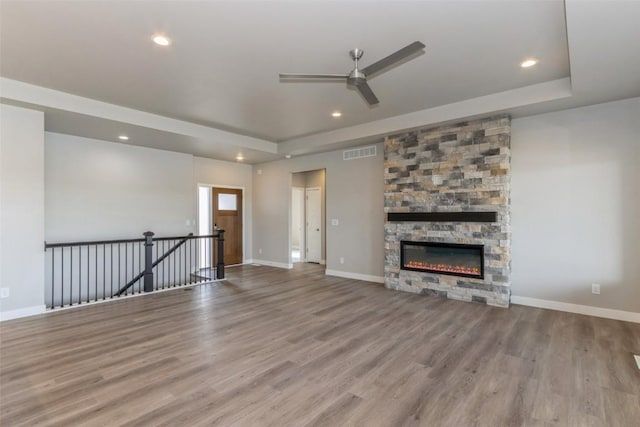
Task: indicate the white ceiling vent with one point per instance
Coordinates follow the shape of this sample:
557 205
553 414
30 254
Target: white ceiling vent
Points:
358 153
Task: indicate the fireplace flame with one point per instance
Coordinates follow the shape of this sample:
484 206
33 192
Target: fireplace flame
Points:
460 269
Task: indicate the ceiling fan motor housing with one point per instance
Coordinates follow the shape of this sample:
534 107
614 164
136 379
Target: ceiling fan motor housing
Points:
356 77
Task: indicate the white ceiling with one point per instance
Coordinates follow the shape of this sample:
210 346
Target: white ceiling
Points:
215 91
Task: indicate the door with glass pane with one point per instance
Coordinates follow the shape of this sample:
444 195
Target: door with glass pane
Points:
227 215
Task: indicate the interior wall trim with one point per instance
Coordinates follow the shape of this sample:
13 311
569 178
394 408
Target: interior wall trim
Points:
355 276
607 313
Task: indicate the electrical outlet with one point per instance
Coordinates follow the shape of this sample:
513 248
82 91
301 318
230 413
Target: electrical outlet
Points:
260 251
341 260
335 222
4 292
595 288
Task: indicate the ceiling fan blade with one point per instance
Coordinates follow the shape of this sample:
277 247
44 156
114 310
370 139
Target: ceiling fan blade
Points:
314 76
393 58
368 94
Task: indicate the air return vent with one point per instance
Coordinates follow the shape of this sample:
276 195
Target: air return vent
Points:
358 153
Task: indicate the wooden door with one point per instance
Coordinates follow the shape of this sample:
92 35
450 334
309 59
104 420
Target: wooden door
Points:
227 215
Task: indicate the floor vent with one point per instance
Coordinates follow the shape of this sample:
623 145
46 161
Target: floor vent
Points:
358 153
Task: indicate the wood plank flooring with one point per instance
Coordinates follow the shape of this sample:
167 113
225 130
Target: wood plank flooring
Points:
271 347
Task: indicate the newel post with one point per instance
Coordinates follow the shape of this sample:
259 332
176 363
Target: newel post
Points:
220 266
148 261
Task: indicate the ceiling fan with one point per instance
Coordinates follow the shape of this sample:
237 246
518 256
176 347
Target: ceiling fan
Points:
358 77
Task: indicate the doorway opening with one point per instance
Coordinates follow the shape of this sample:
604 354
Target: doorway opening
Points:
222 207
308 217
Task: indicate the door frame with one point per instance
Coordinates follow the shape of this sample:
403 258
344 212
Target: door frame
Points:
244 211
321 261
303 231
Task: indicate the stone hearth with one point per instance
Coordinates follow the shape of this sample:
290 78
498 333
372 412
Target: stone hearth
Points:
463 167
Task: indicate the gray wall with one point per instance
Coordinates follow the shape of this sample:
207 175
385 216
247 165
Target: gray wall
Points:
96 189
354 196
576 205
21 211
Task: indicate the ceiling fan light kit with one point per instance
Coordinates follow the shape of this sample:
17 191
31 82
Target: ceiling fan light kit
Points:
358 77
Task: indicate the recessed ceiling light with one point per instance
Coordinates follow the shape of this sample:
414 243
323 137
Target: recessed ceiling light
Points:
239 157
528 63
123 137
288 156
161 40
336 114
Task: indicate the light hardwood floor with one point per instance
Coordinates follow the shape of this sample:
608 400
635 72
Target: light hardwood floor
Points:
272 347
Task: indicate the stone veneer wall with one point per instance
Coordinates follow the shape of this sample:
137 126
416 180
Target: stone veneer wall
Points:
460 167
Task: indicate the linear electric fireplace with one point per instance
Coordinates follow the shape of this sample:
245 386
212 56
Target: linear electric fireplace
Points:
443 258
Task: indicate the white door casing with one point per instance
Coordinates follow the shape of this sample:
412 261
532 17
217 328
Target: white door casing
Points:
313 210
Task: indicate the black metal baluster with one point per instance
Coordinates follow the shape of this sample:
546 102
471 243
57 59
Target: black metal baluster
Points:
220 267
156 275
126 261
95 271
88 268
202 254
104 272
71 275
160 266
164 265
79 274
139 262
119 271
198 254
111 272
62 281
53 276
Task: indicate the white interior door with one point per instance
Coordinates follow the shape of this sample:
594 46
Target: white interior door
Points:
297 224
313 210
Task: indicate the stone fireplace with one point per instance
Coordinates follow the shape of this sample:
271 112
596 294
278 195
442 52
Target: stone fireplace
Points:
447 202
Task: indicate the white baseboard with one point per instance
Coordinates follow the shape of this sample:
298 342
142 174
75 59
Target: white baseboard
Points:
607 313
22 312
356 276
272 263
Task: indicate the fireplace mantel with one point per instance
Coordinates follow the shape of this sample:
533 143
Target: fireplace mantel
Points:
443 216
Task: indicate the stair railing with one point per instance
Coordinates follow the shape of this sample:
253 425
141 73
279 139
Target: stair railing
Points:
83 272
